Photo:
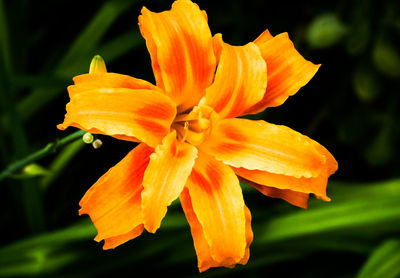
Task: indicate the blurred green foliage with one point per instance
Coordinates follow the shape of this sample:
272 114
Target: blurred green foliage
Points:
351 106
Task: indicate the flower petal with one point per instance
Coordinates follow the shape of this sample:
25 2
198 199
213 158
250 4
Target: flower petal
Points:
164 179
258 145
205 261
122 113
331 163
288 71
180 45
315 185
215 209
249 236
295 198
112 242
86 82
263 38
114 201
240 80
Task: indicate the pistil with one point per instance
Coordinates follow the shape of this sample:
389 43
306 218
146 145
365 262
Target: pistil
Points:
193 126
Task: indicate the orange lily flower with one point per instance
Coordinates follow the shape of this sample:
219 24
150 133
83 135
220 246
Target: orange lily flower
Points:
192 146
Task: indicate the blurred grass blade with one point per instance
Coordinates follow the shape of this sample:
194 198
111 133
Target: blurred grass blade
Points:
77 232
356 214
61 161
4 40
91 36
11 127
383 262
38 262
78 57
36 255
374 205
52 251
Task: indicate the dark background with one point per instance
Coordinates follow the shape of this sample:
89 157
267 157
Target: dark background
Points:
351 107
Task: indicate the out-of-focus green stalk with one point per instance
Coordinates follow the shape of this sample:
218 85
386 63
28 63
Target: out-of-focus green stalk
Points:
83 230
60 162
13 128
383 262
4 40
48 149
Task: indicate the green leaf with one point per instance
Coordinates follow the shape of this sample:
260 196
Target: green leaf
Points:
77 232
383 262
386 58
41 261
375 206
325 30
366 84
37 255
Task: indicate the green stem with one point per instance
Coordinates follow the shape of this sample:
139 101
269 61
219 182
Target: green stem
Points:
48 149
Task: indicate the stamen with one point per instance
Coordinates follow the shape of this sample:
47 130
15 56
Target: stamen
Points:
186 129
181 131
185 117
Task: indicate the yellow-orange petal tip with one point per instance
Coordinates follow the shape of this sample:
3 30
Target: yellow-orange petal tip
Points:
324 198
81 212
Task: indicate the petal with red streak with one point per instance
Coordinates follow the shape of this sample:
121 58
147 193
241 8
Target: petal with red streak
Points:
180 46
164 179
263 38
316 185
112 242
114 201
258 145
205 261
214 206
295 198
288 71
122 113
90 81
240 80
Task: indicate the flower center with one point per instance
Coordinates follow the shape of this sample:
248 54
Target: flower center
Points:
194 126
